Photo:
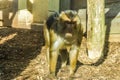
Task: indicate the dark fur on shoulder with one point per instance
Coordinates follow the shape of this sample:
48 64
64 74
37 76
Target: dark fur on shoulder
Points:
51 19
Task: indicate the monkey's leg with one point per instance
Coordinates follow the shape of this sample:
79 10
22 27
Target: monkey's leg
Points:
73 59
53 62
64 57
47 39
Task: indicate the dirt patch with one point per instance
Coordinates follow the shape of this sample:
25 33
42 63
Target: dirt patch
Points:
22 57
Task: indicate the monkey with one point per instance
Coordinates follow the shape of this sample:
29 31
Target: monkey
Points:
63 35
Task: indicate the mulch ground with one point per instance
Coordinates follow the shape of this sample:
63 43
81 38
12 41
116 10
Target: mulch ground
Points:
22 57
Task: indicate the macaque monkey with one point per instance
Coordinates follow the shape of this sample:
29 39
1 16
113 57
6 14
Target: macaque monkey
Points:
63 34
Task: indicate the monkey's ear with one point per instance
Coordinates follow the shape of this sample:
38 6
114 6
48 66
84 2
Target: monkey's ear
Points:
63 16
56 17
76 18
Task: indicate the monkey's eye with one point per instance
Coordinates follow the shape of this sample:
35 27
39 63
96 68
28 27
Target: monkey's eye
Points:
70 22
67 22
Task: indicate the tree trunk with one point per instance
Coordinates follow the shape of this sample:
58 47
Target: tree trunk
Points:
95 28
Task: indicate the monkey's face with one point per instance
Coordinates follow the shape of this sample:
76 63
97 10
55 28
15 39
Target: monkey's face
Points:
69 29
69 24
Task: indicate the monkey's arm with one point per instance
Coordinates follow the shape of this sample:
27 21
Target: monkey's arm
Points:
46 34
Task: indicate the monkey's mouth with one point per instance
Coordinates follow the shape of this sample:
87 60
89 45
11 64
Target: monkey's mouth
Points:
68 35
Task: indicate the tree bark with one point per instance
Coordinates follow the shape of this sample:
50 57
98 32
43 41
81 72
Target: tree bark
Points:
95 28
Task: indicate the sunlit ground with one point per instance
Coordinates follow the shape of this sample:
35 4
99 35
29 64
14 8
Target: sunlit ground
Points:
22 57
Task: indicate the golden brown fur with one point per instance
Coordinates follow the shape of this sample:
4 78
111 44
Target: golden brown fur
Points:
62 32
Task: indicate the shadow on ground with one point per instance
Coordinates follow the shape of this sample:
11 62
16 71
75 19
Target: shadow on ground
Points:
17 48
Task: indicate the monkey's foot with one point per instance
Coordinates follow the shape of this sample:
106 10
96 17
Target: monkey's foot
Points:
51 77
63 65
